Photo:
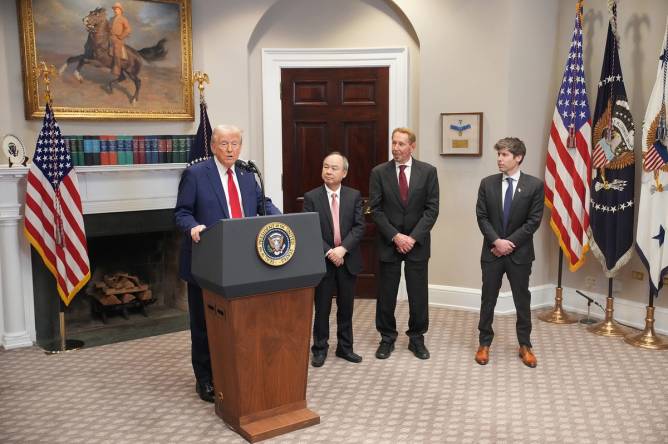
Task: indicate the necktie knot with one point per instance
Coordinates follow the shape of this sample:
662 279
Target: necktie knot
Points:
402 168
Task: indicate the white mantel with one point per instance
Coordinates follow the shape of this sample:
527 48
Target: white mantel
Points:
103 189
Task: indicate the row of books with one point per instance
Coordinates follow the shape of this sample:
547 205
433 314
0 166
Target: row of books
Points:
128 150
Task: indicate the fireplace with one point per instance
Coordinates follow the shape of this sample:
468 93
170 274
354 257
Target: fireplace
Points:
141 244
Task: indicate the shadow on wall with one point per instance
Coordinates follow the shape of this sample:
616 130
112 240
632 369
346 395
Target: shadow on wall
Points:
343 17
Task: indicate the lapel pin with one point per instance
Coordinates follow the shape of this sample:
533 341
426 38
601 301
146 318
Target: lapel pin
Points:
519 190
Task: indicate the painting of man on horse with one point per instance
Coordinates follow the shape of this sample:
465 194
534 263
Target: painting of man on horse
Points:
107 33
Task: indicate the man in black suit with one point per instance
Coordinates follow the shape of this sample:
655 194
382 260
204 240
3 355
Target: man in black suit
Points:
509 211
404 199
342 226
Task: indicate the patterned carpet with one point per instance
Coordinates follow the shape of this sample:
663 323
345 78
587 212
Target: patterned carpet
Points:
585 389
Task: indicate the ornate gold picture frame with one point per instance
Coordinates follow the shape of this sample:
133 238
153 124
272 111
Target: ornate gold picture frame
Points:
134 67
461 134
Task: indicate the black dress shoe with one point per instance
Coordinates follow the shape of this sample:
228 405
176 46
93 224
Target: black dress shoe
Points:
318 359
419 350
349 356
204 390
385 349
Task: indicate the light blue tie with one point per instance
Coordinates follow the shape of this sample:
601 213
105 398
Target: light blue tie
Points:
507 202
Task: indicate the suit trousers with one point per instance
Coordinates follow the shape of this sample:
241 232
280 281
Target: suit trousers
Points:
518 276
418 299
201 358
340 281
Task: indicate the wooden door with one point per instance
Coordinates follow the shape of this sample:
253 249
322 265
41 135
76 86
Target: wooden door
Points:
335 109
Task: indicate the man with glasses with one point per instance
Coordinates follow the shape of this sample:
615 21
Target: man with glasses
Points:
209 191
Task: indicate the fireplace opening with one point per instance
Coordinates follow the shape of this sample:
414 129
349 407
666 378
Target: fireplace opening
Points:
134 290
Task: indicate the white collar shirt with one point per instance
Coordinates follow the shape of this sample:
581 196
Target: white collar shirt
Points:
504 185
407 170
222 171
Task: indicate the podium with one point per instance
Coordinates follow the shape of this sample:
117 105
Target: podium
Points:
259 319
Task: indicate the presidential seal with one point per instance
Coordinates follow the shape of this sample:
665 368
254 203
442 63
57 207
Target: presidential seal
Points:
276 244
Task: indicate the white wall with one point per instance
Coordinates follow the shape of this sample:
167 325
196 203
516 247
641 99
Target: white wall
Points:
504 58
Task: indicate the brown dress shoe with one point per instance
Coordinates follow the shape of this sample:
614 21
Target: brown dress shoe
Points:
527 356
482 355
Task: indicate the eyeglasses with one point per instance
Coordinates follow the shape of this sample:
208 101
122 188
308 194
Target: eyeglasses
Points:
228 144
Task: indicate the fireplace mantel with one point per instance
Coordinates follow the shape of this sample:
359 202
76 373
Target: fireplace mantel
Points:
103 189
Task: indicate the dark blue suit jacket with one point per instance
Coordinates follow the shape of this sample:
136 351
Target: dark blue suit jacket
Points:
202 201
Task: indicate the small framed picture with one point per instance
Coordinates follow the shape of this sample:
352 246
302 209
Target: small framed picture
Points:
461 134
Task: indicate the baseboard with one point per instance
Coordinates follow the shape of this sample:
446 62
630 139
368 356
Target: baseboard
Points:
542 296
468 299
10 342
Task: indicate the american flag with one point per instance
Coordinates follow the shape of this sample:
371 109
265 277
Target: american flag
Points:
53 217
568 165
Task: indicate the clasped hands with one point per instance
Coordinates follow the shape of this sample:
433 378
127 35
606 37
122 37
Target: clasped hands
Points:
502 247
335 255
403 243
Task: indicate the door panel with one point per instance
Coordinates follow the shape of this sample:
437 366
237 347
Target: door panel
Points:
335 109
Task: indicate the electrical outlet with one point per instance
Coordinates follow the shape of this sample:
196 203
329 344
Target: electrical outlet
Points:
639 275
590 282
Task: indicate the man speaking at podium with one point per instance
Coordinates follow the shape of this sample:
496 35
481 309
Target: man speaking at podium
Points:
214 189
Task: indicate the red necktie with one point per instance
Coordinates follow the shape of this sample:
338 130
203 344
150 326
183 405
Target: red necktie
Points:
233 195
335 221
403 184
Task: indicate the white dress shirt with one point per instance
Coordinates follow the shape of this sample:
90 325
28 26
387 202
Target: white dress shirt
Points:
504 185
222 171
407 170
338 197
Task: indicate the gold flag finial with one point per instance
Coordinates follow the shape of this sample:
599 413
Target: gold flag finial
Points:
579 7
45 72
201 78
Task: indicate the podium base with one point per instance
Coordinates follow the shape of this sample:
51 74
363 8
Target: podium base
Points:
276 425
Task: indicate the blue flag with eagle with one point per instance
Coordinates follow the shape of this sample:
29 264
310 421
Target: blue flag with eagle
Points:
612 189
201 148
653 210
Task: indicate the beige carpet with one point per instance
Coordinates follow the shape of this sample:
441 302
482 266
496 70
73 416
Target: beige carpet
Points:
586 389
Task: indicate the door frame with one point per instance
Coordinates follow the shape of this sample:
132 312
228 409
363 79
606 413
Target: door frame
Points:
273 59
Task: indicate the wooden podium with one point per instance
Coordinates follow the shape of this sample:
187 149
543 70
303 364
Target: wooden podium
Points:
259 320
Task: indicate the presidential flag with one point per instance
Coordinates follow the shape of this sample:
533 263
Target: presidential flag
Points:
568 165
611 207
53 218
201 149
653 207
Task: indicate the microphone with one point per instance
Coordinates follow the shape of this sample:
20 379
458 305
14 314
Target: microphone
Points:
254 167
244 165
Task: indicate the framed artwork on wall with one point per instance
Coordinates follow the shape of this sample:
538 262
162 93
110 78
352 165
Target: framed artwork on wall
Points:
125 60
461 134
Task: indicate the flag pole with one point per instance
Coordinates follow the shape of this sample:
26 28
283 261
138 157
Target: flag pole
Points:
648 338
609 327
64 344
557 315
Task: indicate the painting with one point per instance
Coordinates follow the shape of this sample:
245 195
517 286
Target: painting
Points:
125 60
461 134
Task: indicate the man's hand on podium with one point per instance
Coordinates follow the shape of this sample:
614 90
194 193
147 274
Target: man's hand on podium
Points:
195 231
